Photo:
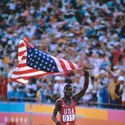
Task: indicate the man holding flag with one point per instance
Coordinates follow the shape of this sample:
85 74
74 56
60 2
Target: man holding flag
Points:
33 62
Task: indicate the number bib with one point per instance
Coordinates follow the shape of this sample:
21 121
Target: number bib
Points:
68 118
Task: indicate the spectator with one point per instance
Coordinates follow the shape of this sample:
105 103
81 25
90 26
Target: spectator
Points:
31 89
101 83
56 87
40 95
123 94
49 95
104 94
88 95
111 90
96 90
3 87
61 86
43 96
20 92
119 89
116 54
11 90
76 84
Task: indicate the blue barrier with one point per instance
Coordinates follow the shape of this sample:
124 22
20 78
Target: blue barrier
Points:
12 107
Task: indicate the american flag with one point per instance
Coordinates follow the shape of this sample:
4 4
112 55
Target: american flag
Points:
33 62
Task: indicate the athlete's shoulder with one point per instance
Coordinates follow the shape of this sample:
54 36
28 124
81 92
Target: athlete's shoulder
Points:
73 101
58 101
58 104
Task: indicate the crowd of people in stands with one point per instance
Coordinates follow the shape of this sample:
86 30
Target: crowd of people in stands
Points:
81 31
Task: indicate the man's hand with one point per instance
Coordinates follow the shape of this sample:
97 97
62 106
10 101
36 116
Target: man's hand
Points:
58 123
87 66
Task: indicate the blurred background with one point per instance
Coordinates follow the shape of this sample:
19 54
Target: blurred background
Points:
81 31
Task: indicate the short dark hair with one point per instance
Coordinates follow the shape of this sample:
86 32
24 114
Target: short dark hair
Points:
67 85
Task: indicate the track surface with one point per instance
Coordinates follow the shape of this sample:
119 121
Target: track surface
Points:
79 121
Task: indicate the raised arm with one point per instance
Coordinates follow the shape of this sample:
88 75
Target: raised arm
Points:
55 112
82 92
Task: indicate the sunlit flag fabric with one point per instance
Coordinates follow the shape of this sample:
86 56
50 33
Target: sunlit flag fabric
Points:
33 62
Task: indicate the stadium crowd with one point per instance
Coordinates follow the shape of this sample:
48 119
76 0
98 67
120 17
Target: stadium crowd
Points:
81 31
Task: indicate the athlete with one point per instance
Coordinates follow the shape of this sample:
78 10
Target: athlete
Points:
66 105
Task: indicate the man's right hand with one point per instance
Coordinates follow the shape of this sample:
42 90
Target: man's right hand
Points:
58 123
87 66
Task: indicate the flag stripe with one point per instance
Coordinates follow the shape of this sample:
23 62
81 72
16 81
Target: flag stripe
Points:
25 72
21 53
62 65
21 44
21 65
20 57
20 80
27 75
76 66
22 49
23 68
66 63
58 63
72 65
23 61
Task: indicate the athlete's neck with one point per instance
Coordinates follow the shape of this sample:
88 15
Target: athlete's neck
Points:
66 98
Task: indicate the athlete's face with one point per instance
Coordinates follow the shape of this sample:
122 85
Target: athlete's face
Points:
68 91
